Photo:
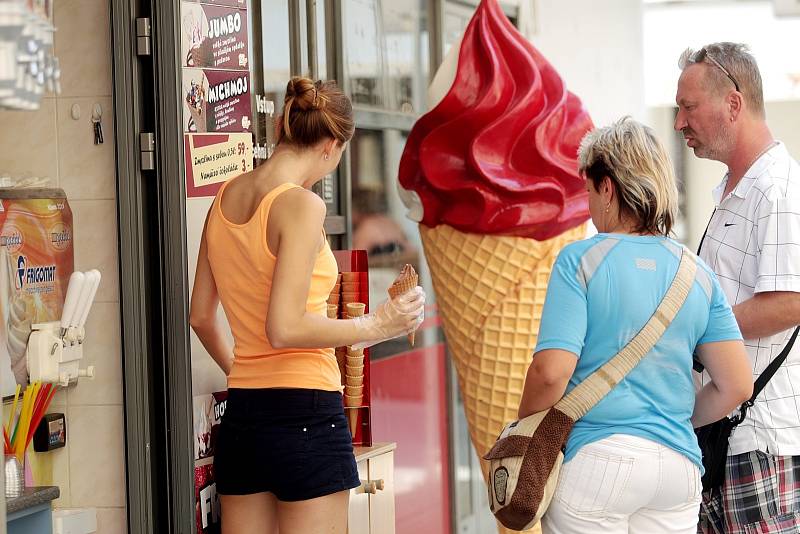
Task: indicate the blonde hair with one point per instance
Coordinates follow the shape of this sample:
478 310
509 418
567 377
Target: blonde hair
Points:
631 156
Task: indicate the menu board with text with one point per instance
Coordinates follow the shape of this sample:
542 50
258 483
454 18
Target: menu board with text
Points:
214 37
216 101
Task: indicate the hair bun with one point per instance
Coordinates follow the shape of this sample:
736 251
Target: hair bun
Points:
306 94
313 111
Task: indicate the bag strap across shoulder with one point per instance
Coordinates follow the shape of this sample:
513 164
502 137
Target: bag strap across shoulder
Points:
598 384
764 378
771 369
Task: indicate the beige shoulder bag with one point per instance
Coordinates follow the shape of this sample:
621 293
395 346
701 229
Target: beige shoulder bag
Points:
526 459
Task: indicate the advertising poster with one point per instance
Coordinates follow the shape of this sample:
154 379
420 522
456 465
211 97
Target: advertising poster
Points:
216 101
36 261
218 115
212 159
208 411
206 508
214 37
230 3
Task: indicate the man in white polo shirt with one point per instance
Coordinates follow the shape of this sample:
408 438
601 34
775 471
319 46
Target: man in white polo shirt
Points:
753 245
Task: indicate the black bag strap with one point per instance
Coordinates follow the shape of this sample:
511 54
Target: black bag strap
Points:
763 378
772 368
696 365
705 232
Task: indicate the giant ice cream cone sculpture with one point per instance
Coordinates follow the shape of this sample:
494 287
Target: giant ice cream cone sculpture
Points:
491 175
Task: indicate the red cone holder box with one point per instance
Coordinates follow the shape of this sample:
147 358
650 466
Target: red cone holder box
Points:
355 261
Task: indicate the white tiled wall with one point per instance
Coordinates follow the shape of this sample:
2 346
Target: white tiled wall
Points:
91 470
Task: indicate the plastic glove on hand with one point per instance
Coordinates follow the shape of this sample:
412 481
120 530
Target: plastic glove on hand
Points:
393 318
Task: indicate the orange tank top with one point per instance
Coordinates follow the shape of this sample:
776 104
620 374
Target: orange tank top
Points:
243 267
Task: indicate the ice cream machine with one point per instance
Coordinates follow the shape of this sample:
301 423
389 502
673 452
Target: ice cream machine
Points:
43 302
55 348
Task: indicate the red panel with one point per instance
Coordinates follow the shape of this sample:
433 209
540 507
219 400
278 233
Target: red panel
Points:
409 406
355 261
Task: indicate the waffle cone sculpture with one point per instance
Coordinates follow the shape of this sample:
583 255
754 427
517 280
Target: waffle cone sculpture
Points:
491 175
490 291
406 281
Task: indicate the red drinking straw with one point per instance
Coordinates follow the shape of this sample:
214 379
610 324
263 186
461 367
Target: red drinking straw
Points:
6 442
42 402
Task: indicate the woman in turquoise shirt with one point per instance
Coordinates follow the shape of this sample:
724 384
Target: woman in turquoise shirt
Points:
632 464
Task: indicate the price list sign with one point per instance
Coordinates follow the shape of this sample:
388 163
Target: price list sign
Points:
212 159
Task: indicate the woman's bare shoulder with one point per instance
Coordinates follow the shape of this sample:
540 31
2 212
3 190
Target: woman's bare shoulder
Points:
299 198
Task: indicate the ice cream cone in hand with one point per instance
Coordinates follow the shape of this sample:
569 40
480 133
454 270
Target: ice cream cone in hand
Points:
490 173
406 281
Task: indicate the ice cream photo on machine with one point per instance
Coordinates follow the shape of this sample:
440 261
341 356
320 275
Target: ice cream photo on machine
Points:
490 173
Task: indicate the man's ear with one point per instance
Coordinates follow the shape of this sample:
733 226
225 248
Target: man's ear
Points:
735 104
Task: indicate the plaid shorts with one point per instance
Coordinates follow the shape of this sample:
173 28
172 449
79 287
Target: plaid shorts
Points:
761 495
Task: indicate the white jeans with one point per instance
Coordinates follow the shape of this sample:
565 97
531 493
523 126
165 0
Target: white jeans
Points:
625 484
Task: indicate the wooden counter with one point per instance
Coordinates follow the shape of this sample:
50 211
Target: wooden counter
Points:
372 503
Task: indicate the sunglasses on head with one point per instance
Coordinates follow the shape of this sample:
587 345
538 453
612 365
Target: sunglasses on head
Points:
703 54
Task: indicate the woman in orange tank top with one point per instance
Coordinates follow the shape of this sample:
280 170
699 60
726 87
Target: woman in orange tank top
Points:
284 457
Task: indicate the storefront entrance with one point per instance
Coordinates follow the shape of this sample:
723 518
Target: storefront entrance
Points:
383 54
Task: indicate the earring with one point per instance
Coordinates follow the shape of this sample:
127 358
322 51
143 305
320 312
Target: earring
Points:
326 157
608 207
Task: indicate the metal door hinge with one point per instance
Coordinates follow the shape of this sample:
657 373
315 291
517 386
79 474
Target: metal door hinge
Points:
147 151
143 34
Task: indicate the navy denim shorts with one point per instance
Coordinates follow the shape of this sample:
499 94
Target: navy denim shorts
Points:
294 443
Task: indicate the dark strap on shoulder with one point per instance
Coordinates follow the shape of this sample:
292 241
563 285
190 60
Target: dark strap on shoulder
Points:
705 232
763 378
772 368
696 365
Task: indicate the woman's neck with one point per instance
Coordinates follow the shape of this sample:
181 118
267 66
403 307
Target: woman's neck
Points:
625 228
289 165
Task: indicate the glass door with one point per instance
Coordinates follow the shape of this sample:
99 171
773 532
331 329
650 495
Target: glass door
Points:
386 48
197 87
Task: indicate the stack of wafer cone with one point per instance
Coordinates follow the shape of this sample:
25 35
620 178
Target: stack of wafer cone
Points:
354 373
335 298
490 291
351 288
406 281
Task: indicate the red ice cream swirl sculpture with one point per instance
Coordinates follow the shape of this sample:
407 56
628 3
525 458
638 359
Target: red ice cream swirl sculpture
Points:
494 165
498 154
